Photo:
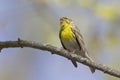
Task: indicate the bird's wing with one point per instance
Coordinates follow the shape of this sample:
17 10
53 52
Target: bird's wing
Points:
78 37
61 40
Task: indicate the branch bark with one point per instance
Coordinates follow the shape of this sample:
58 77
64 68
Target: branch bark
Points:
58 51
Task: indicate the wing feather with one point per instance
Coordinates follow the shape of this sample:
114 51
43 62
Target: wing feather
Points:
61 40
78 37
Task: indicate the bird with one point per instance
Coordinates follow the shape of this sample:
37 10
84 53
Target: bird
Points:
72 40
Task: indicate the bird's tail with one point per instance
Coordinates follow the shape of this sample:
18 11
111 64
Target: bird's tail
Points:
89 58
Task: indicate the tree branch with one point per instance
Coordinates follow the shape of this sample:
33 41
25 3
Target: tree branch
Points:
58 51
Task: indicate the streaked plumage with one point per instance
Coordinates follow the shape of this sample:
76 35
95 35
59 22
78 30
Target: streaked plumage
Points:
72 40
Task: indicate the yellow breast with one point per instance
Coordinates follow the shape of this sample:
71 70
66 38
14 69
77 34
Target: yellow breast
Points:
67 34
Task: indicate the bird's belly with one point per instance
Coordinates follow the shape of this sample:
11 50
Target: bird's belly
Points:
71 45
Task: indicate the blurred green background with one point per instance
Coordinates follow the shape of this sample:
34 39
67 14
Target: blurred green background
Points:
38 20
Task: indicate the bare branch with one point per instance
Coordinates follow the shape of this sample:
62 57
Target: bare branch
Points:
58 51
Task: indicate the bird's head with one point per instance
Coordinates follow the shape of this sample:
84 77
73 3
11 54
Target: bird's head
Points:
65 21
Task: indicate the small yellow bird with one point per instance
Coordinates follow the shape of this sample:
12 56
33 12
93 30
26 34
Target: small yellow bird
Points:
72 40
